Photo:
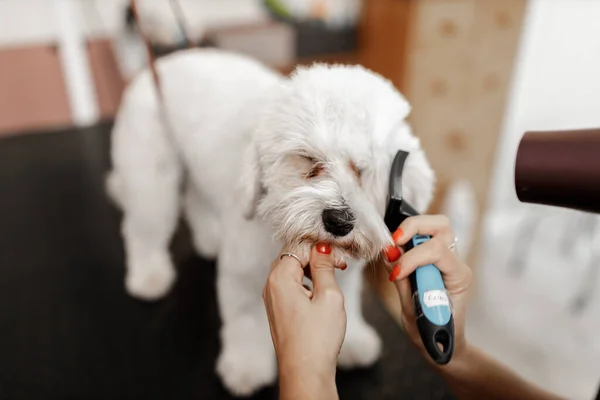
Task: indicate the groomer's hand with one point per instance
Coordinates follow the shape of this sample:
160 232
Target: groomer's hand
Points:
307 328
455 273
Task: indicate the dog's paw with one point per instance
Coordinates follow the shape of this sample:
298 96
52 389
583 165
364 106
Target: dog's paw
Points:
245 372
151 281
361 348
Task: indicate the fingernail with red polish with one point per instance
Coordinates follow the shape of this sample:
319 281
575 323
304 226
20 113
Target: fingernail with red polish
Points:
393 253
343 266
397 235
324 248
394 274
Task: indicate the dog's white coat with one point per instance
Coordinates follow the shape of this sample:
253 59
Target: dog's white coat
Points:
235 162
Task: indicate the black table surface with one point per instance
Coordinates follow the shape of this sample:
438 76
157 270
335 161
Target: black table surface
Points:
68 330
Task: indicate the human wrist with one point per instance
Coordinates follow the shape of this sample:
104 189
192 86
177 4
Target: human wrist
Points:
305 377
460 368
475 375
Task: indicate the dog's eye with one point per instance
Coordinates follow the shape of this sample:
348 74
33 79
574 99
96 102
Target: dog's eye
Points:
357 171
315 170
316 167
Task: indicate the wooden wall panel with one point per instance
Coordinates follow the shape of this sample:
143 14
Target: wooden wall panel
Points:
460 59
384 27
32 89
33 93
453 60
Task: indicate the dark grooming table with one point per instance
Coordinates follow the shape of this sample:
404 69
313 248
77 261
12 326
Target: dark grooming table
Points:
68 330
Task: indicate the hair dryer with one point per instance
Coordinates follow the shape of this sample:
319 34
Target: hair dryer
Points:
560 168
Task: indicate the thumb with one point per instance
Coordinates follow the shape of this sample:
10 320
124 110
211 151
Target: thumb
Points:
322 270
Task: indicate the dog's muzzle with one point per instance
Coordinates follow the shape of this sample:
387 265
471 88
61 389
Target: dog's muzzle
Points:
338 222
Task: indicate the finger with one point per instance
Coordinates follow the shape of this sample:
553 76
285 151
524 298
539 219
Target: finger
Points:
432 225
322 270
288 265
285 253
437 253
307 292
341 265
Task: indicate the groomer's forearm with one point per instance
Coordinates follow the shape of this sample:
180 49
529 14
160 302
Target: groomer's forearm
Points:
476 376
306 383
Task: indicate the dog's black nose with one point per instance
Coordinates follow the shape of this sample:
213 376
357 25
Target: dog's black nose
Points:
338 222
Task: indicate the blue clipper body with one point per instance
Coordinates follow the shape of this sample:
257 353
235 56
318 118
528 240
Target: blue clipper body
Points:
430 299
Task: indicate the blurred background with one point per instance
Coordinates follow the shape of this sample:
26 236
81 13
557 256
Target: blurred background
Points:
478 73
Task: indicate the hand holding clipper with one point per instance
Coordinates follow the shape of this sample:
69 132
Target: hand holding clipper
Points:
430 298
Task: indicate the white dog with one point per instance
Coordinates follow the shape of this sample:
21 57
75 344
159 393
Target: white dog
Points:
267 160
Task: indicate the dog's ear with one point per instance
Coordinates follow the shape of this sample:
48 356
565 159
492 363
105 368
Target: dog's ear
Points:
418 181
250 184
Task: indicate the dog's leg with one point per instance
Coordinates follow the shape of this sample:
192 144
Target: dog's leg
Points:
362 345
204 223
150 218
247 359
147 174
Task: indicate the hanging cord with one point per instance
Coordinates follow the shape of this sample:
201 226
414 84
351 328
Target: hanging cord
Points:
179 18
149 52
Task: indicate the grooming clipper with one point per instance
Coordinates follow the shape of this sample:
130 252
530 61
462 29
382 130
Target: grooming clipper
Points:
430 298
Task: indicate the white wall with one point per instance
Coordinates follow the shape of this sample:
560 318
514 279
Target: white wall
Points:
557 80
528 321
24 22
34 21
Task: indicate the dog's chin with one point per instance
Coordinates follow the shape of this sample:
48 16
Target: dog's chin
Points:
345 248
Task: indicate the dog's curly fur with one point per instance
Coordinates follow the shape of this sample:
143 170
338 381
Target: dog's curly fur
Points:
263 156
